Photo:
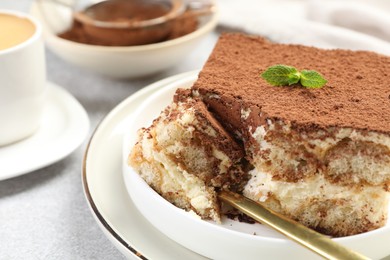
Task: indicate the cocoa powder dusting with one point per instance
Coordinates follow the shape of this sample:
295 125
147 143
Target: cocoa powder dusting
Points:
181 26
356 95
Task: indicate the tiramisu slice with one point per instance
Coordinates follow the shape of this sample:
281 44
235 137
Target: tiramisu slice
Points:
186 155
320 156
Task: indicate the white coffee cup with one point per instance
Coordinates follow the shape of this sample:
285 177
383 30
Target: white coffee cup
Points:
22 76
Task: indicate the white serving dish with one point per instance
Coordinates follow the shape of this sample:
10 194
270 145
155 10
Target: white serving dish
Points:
231 240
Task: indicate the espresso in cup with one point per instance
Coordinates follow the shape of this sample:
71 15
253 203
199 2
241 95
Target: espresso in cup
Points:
22 76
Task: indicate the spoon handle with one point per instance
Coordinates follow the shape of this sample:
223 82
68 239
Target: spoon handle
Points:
318 243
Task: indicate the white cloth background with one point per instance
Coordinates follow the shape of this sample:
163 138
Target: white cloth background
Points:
351 24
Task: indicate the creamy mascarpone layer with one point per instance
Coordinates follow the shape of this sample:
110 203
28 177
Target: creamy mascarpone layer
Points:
343 155
261 187
332 209
321 141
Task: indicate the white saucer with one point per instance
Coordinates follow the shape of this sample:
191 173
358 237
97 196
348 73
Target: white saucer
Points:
64 127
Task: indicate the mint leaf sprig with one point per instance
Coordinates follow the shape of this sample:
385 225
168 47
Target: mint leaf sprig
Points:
283 75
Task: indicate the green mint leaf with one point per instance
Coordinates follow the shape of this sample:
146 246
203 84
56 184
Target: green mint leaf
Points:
312 79
281 75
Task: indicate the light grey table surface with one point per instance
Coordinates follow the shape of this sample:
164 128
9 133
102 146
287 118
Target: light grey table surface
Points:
43 214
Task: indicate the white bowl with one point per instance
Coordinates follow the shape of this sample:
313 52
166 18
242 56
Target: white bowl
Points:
117 62
231 239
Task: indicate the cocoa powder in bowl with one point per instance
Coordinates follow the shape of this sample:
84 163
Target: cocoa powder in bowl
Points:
131 11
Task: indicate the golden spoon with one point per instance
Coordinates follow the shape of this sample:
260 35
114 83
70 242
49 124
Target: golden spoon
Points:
307 237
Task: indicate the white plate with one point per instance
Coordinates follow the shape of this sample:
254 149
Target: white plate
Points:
64 126
231 240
